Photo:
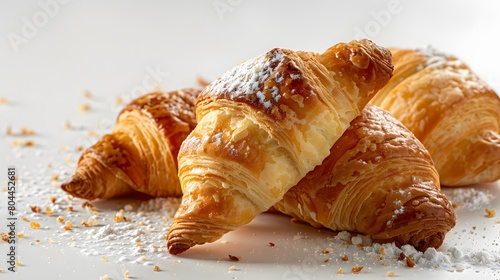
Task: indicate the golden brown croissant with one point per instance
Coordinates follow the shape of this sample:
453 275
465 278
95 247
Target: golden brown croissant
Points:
378 180
140 154
261 127
449 109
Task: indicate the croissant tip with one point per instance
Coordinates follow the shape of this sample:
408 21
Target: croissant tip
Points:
177 248
75 186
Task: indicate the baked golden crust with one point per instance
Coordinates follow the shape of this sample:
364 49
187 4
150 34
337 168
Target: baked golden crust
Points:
450 110
261 127
140 154
378 180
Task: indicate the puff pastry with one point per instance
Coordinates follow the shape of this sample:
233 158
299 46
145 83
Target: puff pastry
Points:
454 114
378 180
261 127
140 154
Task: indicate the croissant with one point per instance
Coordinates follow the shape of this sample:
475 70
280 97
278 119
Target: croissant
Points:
261 127
378 180
450 110
140 154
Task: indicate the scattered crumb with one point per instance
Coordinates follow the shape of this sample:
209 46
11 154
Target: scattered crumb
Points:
9 131
87 94
91 133
54 178
234 258
490 213
50 240
79 149
84 107
345 258
34 225
138 244
3 100
126 274
104 277
90 208
119 217
20 235
357 269
232 268
52 199
27 143
18 263
119 100
70 208
460 269
67 125
156 268
4 236
402 256
68 225
48 210
26 131
37 240
271 244
340 271
177 261
104 258
409 261
325 252
60 219
389 274
382 250
25 219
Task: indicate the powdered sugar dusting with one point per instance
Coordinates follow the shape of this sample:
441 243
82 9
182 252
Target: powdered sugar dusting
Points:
248 80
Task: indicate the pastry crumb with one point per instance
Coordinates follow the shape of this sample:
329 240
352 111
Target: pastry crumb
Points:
409 262
48 211
389 274
126 274
271 244
50 240
357 269
156 268
70 208
490 213
232 268
84 107
87 94
460 269
67 125
60 219
18 263
104 277
120 217
21 235
234 258
119 100
34 225
3 100
104 258
4 236
345 258
340 271
324 252
25 219
53 199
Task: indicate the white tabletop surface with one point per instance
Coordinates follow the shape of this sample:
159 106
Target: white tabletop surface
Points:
52 52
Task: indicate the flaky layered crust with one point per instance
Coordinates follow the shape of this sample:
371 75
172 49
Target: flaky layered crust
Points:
261 127
453 112
140 154
378 180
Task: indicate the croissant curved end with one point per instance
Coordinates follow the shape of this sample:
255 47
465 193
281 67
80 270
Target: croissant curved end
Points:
78 187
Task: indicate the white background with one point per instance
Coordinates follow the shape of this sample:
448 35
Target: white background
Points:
52 52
